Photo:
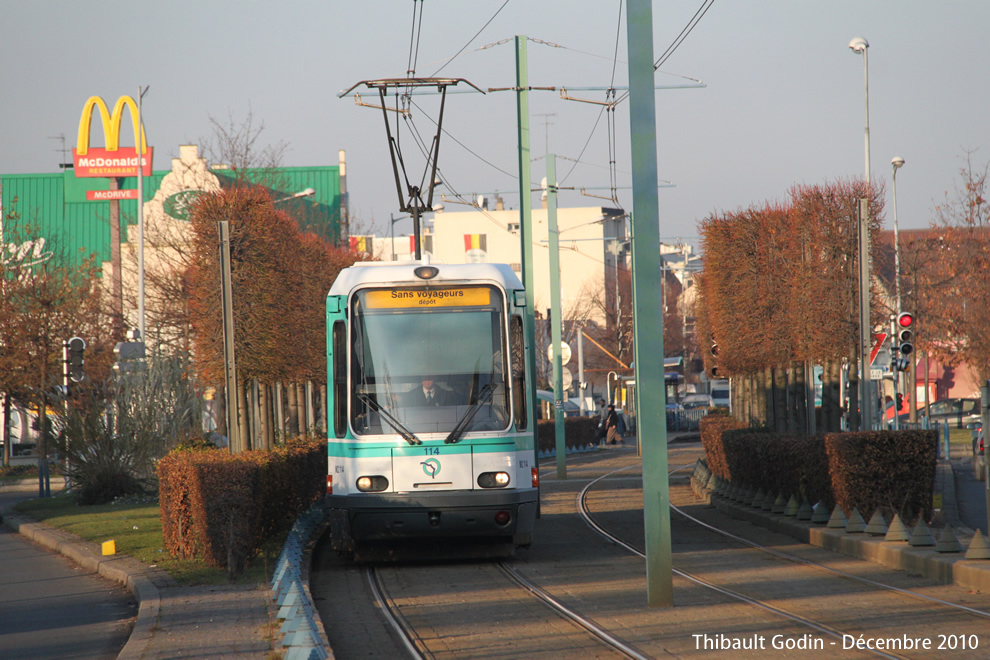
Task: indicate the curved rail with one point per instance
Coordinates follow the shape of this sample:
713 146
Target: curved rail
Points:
413 645
796 618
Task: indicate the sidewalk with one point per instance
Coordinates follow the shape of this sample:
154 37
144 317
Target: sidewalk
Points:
173 621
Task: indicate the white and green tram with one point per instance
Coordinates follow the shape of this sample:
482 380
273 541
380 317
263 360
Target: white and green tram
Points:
431 435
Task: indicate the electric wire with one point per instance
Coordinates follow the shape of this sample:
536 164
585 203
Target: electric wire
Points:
471 40
698 15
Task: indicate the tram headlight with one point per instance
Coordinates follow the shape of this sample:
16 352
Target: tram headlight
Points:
493 479
374 484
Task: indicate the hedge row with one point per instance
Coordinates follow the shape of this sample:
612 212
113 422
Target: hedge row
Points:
578 432
893 471
222 507
711 428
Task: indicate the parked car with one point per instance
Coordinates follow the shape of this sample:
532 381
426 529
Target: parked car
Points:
720 393
958 412
692 401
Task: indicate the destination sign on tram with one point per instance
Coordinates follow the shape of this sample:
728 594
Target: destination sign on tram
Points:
419 298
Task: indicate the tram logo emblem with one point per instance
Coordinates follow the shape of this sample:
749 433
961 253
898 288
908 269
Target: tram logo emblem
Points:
431 466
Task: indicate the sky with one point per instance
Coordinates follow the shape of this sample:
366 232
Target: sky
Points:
769 94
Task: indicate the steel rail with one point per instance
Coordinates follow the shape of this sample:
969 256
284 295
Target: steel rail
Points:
593 524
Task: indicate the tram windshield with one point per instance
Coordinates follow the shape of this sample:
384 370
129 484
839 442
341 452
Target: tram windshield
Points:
428 360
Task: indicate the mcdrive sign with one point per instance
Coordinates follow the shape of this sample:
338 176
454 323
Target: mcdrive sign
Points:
112 160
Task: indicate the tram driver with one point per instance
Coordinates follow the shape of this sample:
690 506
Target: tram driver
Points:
429 394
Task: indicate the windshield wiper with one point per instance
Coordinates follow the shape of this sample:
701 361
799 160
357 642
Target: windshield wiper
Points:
407 435
484 396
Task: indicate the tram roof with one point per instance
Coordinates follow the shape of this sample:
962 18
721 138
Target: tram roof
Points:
391 273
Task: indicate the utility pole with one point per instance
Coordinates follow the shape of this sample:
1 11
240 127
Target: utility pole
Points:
555 338
648 318
526 222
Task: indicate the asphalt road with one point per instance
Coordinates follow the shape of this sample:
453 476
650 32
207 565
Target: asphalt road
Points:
51 608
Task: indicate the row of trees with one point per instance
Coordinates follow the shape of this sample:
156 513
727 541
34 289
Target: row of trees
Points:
779 292
280 279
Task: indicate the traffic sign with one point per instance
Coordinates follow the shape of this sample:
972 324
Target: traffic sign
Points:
565 352
878 339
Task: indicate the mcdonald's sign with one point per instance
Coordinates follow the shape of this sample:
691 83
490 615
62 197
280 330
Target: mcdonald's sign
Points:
112 160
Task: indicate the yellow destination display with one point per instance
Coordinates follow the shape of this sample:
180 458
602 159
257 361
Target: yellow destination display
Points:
419 298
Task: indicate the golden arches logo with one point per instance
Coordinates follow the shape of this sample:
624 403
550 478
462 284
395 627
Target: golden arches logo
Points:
111 124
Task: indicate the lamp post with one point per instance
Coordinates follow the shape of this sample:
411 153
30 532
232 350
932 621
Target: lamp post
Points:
392 229
897 163
608 385
861 45
140 208
302 193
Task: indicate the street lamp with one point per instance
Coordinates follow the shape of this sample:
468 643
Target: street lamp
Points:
897 163
861 45
608 385
302 193
392 229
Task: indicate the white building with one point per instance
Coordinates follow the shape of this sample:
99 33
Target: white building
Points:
593 243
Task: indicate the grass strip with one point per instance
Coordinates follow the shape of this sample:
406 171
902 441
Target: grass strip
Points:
135 526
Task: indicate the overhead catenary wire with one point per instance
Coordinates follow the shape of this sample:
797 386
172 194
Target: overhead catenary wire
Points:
698 15
471 40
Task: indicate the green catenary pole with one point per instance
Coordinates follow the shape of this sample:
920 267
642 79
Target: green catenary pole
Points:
526 228
647 314
555 338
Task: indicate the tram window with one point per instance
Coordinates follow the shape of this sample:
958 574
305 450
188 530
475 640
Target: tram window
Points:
397 348
517 350
339 358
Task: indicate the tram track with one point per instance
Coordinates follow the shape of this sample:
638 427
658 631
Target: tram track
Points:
585 512
418 649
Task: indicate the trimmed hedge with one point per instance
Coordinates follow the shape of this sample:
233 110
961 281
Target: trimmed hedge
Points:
222 507
578 432
785 463
893 471
711 428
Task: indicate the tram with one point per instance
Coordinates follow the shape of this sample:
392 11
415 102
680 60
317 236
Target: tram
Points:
431 433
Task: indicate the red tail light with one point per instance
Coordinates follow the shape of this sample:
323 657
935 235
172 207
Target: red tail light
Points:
536 477
329 484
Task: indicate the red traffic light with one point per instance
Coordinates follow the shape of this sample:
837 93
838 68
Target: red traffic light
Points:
905 319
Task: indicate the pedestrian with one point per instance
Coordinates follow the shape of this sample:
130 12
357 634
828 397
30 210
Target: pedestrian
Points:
613 433
602 414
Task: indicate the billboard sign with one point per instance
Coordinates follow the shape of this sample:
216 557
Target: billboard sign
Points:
112 160
110 195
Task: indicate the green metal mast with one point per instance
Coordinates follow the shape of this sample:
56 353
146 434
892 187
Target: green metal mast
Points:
647 313
555 338
526 224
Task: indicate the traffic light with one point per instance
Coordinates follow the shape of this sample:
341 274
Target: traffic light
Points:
75 349
900 403
904 329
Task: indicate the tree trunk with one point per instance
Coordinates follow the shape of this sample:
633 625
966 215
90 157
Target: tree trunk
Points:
293 409
242 416
264 406
6 429
301 408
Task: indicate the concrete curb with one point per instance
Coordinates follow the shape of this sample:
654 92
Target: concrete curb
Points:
946 568
135 576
